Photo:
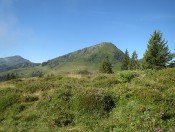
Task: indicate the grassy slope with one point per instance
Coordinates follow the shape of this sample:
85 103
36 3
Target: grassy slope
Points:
127 101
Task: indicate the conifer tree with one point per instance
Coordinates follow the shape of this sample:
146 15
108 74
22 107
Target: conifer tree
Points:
106 66
157 54
125 61
134 64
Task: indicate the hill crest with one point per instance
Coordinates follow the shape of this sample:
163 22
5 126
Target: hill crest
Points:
89 56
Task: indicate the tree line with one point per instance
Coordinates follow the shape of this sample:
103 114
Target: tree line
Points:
156 56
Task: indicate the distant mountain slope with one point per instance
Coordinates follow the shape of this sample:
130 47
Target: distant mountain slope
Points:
14 62
87 58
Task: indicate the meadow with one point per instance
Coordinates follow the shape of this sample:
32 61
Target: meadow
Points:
126 101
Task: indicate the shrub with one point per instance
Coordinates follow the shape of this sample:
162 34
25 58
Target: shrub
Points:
31 98
127 76
63 118
20 108
84 72
37 74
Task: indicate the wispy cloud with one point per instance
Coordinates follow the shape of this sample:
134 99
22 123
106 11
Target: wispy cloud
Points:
158 17
163 17
10 30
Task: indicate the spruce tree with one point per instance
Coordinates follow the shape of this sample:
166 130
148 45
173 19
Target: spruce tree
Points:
134 64
157 54
125 61
106 66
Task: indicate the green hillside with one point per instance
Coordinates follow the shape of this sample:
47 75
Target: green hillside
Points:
88 58
127 101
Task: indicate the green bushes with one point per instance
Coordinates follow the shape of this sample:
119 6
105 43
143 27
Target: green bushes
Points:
127 76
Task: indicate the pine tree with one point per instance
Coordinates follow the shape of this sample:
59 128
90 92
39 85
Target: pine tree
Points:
157 54
125 61
134 64
106 66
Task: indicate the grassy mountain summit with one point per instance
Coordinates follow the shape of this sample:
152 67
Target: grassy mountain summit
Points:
14 62
88 58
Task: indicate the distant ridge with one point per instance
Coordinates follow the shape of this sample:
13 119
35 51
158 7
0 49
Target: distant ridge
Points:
14 62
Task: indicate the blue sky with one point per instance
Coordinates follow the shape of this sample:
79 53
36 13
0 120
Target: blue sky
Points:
40 30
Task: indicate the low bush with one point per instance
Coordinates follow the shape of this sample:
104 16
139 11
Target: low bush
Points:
127 76
84 72
30 98
63 118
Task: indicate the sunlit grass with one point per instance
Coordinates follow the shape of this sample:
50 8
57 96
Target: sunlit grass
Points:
125 101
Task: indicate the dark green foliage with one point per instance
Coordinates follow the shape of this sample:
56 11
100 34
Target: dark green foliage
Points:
125 61
8 76
108 103
106 66
157 54
134 63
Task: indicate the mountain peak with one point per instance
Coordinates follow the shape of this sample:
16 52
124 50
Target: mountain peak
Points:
14 62
87 57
